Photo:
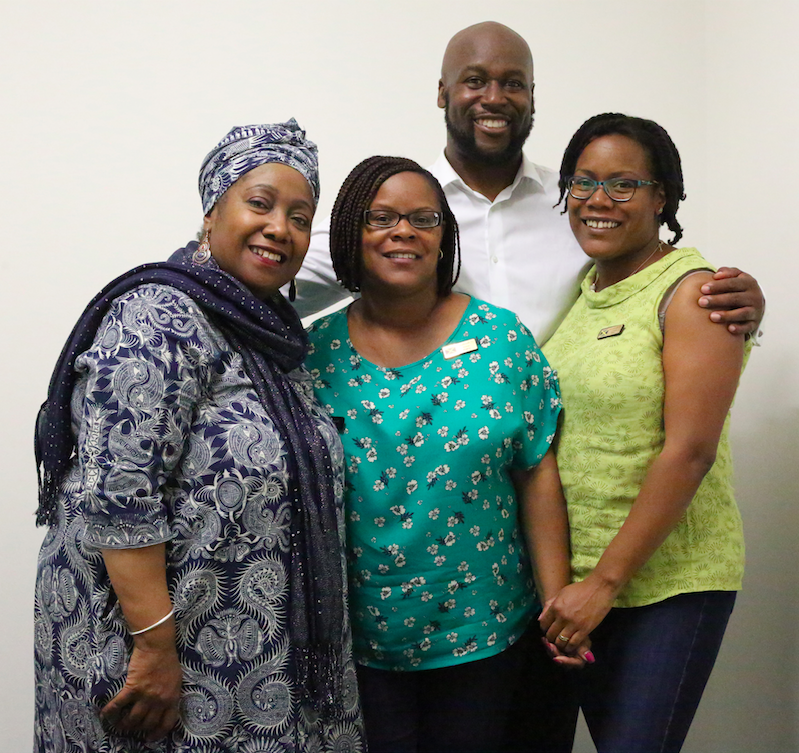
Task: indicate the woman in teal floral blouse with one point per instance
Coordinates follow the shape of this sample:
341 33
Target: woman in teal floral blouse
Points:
446 408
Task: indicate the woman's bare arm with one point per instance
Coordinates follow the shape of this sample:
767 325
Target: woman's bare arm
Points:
148 702
542 513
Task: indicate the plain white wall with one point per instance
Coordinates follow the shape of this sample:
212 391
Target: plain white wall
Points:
751 126
108 109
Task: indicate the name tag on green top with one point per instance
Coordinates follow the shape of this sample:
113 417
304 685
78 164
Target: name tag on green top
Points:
613 331
453 350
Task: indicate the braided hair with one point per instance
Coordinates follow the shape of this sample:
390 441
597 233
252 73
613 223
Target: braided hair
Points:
354 198
664 159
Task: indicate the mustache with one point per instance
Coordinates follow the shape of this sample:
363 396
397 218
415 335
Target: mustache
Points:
466 142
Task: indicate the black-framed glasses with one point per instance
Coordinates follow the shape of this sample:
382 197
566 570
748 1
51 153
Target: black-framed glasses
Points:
618 189
422 219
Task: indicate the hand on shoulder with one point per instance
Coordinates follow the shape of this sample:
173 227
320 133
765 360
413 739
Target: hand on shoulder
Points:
735 300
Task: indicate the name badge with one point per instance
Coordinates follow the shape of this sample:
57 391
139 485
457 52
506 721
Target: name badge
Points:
613 331
453 350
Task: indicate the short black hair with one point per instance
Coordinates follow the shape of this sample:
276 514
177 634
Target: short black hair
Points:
346 224
664 159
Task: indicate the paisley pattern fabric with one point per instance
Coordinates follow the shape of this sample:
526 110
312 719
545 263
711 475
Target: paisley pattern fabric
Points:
437 563
174 446
246 147
613 391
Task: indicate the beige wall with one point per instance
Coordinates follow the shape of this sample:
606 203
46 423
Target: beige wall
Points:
108 109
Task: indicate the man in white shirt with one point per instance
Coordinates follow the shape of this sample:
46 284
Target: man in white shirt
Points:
517 250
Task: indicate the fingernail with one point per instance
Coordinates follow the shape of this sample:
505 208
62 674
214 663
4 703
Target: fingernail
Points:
703 301
715 317
589 657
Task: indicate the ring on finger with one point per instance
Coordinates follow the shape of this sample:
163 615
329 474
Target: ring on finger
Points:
563 638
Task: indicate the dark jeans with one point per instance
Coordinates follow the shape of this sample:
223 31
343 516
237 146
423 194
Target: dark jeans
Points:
544 708
652 665
458 709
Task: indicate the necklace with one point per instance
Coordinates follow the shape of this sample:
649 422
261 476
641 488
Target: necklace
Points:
659 247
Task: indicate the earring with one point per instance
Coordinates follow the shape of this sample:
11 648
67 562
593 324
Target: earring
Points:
660 211
440 254
293 290
203 252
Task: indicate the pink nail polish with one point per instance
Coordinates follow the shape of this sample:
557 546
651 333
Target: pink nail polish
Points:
589 657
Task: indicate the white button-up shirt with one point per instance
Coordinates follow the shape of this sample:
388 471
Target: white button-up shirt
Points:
517 251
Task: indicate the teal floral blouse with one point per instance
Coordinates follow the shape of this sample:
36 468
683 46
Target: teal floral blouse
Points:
437 564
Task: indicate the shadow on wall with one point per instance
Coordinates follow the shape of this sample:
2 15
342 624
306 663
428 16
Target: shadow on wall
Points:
752 699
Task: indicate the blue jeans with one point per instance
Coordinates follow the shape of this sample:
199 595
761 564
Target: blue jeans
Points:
652 665
457 709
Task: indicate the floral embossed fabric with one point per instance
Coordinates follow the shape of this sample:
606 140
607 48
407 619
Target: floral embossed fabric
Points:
174 446
437 565
613 391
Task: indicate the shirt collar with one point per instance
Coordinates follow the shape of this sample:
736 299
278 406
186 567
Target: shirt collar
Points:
446 174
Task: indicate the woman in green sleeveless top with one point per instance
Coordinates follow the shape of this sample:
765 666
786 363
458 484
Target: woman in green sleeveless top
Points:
647 383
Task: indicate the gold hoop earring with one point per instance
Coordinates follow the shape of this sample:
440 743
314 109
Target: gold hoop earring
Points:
203 252
440 254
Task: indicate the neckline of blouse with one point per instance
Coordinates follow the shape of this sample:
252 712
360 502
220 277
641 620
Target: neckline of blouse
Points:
629 286
468 311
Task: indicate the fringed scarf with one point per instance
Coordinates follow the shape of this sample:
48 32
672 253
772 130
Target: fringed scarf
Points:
272 342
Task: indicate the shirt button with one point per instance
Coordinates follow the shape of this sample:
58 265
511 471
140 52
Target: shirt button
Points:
494 259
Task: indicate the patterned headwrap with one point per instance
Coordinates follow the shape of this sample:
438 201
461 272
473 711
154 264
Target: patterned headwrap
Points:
247 147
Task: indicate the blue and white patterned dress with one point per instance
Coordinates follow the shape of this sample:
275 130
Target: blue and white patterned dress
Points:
175 447
437 563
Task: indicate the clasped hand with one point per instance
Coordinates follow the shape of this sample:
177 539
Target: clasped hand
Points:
568 620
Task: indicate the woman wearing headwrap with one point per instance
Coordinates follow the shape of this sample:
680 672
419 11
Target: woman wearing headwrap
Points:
190 586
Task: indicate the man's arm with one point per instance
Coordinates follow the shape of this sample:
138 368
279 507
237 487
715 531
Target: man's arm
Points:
735 299
317 287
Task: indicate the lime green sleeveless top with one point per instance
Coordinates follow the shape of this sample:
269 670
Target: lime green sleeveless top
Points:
612 387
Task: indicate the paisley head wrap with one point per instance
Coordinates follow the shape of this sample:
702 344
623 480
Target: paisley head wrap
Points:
247 147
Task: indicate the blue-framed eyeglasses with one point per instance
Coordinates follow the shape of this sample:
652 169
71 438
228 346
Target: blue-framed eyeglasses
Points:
618 189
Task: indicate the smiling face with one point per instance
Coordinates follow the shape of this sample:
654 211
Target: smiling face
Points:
486 90
401 257
261 227
621 234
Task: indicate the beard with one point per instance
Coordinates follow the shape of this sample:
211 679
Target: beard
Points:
467 144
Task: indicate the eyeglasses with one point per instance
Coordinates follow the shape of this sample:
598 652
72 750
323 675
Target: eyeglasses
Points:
618 189
422 219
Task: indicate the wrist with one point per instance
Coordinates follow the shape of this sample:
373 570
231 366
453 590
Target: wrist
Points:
159 634
549 590
607 582
157 640
154 625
